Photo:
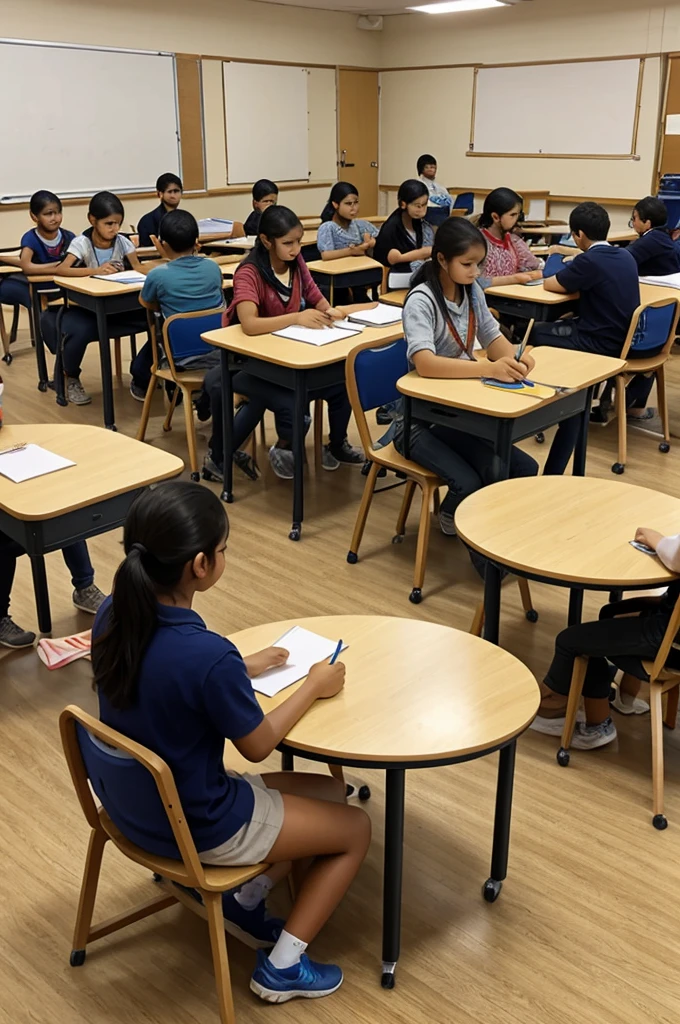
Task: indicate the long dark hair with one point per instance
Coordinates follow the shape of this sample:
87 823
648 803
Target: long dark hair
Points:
409 191
275 222
340 191
166 527
500 201
455 237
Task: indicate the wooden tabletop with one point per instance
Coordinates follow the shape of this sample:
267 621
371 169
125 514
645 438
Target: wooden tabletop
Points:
308 238
347 265
106 463
622 236
296 354
530 293
100 287
538 230
570 528
554 366
414 691
5 268
395 298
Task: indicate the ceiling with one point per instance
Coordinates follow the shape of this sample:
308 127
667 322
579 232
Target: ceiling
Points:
380 6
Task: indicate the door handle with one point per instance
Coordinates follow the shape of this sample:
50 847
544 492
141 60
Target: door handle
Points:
374 163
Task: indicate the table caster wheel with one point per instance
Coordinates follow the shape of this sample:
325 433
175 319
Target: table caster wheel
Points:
7 359
77 958
228 497
660 822
563 757
387 979
349 790
398 538
364 793
491 890
664 447
366 468
195 477
416 595
352 557
156 877
42 385
532 615
618 468
295 532
63 402
539 438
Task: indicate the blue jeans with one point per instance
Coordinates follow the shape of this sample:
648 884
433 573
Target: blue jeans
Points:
79 328
76 556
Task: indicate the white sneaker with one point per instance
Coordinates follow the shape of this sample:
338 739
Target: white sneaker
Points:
447 524
589 737
282 462
554 726
75 392
627 705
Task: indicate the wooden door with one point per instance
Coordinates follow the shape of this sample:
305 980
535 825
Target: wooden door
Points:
358 135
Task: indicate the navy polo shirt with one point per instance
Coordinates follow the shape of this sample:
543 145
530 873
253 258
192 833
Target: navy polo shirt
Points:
607 278
655 254
193 691
150 224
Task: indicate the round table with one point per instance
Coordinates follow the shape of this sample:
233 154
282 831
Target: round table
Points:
566 530
416 695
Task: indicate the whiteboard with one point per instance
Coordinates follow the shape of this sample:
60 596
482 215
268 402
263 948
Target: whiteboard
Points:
84 119
266 122
587 108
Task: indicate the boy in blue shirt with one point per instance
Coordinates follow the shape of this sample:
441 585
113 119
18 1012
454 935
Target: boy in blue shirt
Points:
265 194
654 251
169 189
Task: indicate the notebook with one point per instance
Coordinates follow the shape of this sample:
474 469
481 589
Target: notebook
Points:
316 336
123 277
382 316
669 281
215 226
31 461
304 650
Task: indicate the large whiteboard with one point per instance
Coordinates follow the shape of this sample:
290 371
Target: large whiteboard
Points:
83 119
587 108
266 112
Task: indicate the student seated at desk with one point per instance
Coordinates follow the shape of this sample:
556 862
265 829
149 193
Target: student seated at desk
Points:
427 173
265 194
509 260
273 289
169 189
624 641
167 682
187 284
404 241
342 234
443 314
99 250
654 251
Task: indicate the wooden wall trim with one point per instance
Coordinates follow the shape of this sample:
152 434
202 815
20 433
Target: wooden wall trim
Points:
190 108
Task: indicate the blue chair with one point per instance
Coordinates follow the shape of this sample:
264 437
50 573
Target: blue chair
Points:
553 265
130 780
653 329
437 215
181 341
464 201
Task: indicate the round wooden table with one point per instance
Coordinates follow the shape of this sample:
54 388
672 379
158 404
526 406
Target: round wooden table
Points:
416 695
566 530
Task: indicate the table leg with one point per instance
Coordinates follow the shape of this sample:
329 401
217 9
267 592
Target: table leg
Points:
332 293
492 602
299 453
575 607
394 854
501 828
41 361
42 597
105 364
227 428
579 465
287 761
503 450
408 416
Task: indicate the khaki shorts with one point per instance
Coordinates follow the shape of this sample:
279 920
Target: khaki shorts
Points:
254 840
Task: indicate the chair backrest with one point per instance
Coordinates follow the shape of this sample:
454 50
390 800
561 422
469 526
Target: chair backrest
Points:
553 264
436 215
156 242
653 326
182 333
669 637
123 774
464 201
371 375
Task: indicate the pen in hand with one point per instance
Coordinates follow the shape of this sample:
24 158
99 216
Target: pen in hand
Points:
336 653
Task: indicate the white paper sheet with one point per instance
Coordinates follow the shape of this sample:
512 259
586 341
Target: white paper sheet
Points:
316 336
382 316
669 281
215 226
30 462
123 276
305 649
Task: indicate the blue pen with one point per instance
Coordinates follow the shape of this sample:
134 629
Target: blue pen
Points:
336 652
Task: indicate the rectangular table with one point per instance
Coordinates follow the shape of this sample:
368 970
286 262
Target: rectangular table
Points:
303 369
348 272
530 302
92 497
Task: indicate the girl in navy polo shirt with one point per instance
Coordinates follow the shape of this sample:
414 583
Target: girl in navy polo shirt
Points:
168 682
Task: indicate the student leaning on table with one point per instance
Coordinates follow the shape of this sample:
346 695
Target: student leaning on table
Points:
621 642
166 681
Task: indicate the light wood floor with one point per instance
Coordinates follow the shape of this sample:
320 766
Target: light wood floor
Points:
586 928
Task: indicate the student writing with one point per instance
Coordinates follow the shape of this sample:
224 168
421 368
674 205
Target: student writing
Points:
404 241
342 233
509 259
265 194
654 251
169 190
166 681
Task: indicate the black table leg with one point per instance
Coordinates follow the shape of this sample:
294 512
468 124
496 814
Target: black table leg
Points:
105 363
299 452
41 361
287 761
501 828
227 428
42 597
408 417
579 465
503 450
492 602
394 854
575 607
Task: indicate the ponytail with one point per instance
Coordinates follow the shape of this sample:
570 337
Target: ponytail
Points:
340 191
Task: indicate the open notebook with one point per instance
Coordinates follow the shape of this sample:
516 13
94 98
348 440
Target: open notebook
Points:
123 277
669 281
317 335
304 650
381 316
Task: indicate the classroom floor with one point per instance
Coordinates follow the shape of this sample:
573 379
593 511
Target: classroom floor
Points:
586 927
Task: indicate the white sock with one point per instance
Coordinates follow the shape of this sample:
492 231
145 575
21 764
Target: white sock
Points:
253 892
287 951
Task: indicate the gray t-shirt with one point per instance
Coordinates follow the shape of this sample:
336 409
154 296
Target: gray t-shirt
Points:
332 236
426 329
87 256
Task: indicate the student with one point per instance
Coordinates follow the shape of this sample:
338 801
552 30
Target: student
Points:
343 234
99 250
654 251
404 241
635 636
186 284
443 313
427 172
509 259
273 289
167 682
265 194
607 278
169 189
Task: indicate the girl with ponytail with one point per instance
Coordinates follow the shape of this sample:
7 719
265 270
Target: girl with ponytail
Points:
168 682
509 259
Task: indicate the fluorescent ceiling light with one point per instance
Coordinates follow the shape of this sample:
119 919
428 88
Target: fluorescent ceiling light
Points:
454 6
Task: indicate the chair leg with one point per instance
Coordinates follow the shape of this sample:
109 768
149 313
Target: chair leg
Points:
621 414
15 325
338 772
575 690
525 594
118 359
478 620
318 432
436 501
656 708
218 946
146 409
263 433
167 422
405 507
88 890
671 714
662 401
416 594
191 434
362 515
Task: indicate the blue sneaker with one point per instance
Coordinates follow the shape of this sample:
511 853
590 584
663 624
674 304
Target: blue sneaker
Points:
255 927
306 980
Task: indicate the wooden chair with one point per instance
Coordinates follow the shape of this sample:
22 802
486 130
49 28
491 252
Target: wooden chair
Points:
81 754
662 681
653 325
181 339
477 626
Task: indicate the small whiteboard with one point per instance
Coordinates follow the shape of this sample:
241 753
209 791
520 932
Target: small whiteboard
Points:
266 122
585 108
